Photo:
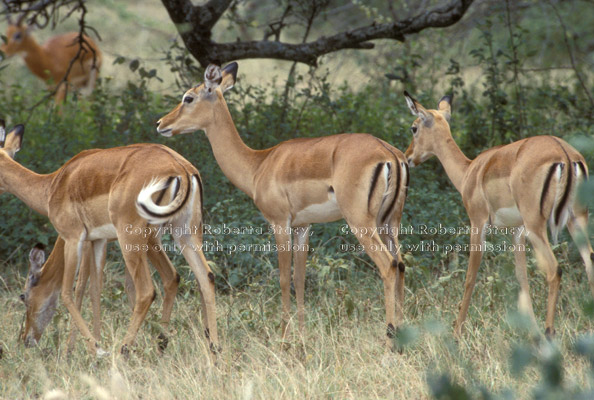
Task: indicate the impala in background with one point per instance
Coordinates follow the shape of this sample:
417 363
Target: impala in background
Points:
60 55
357 177
527 183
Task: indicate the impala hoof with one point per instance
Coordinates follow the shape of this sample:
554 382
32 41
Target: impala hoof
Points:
162 342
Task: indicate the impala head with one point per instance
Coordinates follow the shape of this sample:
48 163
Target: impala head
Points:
17 37
40 303
427 128
197 108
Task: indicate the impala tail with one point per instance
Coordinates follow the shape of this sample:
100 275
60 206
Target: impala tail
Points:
180 195
562 182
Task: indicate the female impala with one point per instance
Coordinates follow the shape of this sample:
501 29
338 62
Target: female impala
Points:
299 182
57 57
100 195
525 183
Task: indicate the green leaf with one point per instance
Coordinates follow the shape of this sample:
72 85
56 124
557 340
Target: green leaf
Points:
134 64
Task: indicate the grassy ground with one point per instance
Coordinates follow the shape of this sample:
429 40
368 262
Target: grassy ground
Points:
341 356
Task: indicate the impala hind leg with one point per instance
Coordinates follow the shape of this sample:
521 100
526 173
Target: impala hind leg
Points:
170 279
578 228
474 262
137 265
524 299
546 261
191 246
388 268
300 252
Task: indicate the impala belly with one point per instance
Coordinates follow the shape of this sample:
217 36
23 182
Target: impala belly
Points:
507 216
320 212
107 231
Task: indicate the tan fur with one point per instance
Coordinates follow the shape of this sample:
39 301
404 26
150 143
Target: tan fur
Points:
303 181
504 186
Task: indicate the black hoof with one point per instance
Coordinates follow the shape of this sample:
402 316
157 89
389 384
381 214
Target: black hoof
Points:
125 351
162 342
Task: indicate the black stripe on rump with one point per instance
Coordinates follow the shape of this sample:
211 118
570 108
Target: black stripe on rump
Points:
565 197
407 179
162 194
582 168
374 178
545 188
201 192
389 210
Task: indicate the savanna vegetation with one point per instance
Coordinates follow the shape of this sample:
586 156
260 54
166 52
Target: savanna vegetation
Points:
516 69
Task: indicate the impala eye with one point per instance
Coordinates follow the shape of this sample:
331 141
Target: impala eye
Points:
413 129
188 99
17 36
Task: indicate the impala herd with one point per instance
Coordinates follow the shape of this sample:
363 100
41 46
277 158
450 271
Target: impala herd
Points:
99 195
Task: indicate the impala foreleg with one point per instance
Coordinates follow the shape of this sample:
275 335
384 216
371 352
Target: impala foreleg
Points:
79 292
300 252
474 262
72 256
283 243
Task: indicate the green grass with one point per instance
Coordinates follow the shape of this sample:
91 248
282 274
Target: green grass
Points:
341 356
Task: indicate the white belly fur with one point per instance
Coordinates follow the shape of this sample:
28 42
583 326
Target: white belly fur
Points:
107 231
321 212
509 216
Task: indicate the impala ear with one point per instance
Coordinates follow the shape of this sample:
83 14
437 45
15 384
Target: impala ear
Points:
2 133
445 106
418 110
229 74
37 258
212 77
13 140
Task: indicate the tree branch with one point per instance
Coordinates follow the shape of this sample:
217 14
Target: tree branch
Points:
201 20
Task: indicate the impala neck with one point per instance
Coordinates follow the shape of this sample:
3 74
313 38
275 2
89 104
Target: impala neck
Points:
30 187
237 161
36 59
454 162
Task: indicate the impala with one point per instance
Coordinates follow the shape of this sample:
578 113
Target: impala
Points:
526 183
41 302
59 61
97 196
357 177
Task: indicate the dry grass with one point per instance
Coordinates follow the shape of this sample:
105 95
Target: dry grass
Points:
342 355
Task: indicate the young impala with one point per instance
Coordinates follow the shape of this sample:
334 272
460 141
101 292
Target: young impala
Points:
526 183
101 195
58 56
302 181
